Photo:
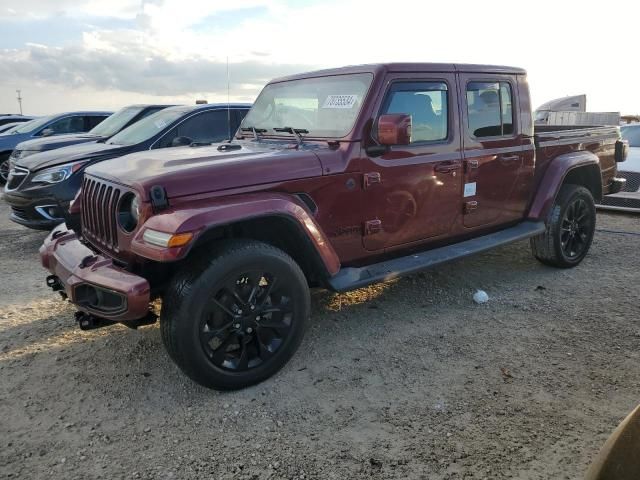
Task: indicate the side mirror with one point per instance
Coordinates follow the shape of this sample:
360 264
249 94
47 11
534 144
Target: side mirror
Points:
394 129
181 142
47 132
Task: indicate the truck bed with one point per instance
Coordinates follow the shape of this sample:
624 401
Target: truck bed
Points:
554 140
551 133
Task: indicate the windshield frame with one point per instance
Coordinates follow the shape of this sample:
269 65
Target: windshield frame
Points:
364 105
179 111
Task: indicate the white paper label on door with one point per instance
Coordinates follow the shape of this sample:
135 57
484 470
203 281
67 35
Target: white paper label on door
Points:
469 189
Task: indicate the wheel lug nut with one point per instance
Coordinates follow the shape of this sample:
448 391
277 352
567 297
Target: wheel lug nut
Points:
258 318
237 325
239 312
253 307
249 330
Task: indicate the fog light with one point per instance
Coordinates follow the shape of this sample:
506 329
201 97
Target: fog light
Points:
167 240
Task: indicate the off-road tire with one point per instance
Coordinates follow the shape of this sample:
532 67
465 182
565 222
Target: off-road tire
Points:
183 310
548 247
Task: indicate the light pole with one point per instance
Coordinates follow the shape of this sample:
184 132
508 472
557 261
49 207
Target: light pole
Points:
19 101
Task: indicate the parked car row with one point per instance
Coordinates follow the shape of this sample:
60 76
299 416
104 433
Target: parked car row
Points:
46 172
337 179
70 122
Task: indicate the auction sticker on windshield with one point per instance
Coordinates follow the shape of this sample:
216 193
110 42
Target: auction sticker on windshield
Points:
340 101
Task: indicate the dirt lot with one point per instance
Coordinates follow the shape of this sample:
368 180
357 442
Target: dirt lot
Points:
406 380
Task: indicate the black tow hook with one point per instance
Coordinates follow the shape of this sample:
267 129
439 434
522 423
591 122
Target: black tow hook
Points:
56 285
86 321
150 319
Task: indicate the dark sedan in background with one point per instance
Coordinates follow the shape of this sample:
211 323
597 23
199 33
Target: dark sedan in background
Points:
115 123
11 118
69 122
41 186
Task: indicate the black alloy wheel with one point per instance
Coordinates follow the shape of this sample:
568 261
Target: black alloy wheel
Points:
247 320
4 170
576 229
571 225
235 313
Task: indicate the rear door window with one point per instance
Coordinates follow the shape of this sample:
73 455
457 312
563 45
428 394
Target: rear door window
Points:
92 120
490 109
73 124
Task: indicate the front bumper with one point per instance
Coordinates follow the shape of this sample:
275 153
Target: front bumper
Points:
626 198
38 213
91 281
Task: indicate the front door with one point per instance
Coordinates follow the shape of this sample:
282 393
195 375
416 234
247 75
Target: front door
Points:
412 192
493 153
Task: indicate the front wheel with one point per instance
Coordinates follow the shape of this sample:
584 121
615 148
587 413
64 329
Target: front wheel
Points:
4 168
570 229
234 317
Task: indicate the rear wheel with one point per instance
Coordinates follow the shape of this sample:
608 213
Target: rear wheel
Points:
235 318
570 229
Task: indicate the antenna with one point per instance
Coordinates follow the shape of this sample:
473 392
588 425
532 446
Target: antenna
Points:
19 100
228 106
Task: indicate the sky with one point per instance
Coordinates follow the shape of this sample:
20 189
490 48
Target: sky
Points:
98 54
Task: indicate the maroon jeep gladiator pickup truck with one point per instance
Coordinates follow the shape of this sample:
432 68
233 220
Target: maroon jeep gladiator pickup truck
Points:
337 179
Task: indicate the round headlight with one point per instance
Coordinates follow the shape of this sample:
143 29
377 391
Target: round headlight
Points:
128 212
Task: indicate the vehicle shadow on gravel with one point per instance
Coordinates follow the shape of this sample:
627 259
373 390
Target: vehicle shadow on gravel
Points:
509 274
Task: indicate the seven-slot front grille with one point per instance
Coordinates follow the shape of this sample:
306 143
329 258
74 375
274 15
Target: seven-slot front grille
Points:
100 212
17 175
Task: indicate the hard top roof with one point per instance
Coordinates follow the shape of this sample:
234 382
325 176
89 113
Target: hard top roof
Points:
379 68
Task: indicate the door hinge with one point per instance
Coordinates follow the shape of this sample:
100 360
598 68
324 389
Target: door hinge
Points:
470 165
372 227
470 206
371 179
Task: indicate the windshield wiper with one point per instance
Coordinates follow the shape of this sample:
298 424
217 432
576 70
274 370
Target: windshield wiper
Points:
256 131
294 131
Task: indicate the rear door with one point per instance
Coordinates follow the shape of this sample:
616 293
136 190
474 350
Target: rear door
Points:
493 156
412 192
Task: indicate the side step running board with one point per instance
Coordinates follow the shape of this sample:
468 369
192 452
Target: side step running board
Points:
350 278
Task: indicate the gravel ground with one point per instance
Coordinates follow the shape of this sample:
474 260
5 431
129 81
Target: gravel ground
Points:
408 379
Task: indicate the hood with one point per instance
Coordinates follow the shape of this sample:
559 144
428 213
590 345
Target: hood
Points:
9 142
72 153
193 170
57 141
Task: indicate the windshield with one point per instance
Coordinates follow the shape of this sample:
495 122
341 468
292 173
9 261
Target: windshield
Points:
32 125
632 134
114 123
12 128
325 106
147 127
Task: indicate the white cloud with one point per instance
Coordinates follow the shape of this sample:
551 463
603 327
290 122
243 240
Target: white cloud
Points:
565 46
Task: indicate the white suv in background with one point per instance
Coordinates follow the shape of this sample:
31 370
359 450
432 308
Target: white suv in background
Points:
629 198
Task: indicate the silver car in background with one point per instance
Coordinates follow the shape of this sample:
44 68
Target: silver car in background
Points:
629 198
